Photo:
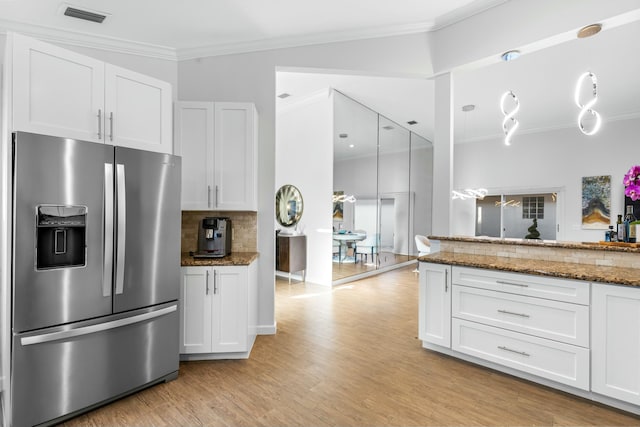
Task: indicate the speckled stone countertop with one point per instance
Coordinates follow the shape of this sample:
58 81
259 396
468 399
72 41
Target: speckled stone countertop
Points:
236 258
565 270
539 243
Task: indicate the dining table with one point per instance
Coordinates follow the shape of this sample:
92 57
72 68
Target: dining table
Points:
345 239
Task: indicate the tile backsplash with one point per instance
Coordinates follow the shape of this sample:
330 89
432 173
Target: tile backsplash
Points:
579 256
244 229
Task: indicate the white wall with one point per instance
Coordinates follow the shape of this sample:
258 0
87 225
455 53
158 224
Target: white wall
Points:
251 77
304 130
558 158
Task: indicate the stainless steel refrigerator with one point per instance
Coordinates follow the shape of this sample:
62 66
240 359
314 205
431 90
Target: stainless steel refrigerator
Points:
96 274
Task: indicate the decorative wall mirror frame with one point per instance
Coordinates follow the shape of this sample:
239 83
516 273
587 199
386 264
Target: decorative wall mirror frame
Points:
289 205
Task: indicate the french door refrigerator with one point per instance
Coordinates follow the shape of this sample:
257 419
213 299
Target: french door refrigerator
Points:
96 274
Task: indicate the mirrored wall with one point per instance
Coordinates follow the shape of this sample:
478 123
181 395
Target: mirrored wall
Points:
382 181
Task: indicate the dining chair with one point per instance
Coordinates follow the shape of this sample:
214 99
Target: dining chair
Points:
368 246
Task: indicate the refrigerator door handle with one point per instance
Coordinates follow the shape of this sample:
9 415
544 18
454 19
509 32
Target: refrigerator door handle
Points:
122 227
86 330
107 263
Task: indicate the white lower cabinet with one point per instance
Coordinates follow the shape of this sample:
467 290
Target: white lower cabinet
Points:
218 316
615 324
560 362
434 316
535 325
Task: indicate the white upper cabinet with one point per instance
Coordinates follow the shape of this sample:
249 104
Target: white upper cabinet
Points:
56 91
138 110
218 145
62 93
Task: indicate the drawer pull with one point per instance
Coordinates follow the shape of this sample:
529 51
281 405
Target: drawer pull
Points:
514 314
502 282
501 347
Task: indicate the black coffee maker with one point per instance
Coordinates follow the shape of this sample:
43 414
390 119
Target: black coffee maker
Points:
214 238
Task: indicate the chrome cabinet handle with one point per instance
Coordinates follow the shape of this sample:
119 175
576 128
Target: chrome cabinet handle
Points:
111 126
215 282
208 196
122 227
99 124
446 281
107 237
216 196
502 282
514 314
207 283
501 347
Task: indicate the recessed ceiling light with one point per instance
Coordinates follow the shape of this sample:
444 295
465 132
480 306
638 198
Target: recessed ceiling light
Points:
468 107
412 122
589 30
510 55
351 145
284 95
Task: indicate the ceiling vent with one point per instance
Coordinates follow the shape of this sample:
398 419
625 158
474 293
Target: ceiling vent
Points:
84 14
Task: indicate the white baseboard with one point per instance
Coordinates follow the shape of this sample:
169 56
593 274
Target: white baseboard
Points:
268 329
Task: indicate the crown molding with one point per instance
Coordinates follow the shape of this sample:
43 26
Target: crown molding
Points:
72 38
114 44
301 40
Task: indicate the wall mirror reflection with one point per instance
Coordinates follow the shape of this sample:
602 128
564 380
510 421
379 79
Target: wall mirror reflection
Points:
380 170
289 206
517 216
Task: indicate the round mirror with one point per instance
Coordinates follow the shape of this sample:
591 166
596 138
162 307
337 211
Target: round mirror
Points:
289 205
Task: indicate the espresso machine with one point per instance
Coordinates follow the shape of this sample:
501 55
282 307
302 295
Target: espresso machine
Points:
214 238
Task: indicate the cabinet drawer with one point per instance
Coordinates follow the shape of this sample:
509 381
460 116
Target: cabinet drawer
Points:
544 318
563 363
572 291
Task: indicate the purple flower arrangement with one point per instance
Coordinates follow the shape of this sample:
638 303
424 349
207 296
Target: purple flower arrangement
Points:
631 183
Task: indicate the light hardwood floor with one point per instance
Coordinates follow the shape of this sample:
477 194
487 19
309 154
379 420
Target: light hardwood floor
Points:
346 269
348 356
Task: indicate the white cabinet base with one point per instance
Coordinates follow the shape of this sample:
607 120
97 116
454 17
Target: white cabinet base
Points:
220 356
560 362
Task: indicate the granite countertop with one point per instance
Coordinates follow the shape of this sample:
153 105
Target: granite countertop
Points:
565 270
235 258
615 247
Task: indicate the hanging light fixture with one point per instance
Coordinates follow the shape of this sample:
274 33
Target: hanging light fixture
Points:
509 117
587 108
469 193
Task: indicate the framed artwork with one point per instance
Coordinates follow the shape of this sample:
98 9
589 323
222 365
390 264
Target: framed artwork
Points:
596 202
338 205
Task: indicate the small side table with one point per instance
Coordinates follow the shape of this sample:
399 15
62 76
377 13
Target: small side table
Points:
291 254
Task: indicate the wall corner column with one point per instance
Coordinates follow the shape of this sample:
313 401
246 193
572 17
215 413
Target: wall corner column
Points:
443 155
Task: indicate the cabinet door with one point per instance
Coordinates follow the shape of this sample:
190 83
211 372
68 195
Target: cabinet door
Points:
138 110
615 346
195 310
435 304
55 91
230 310
194 142
235 156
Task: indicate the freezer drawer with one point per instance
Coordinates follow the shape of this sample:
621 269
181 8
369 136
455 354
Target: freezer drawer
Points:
60 371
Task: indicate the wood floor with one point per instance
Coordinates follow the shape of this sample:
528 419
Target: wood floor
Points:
348 356
346 269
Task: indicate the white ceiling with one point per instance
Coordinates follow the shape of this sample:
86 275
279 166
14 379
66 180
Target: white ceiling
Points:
190 28
544 80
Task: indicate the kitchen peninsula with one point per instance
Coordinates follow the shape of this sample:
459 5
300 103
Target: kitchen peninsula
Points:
562 314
